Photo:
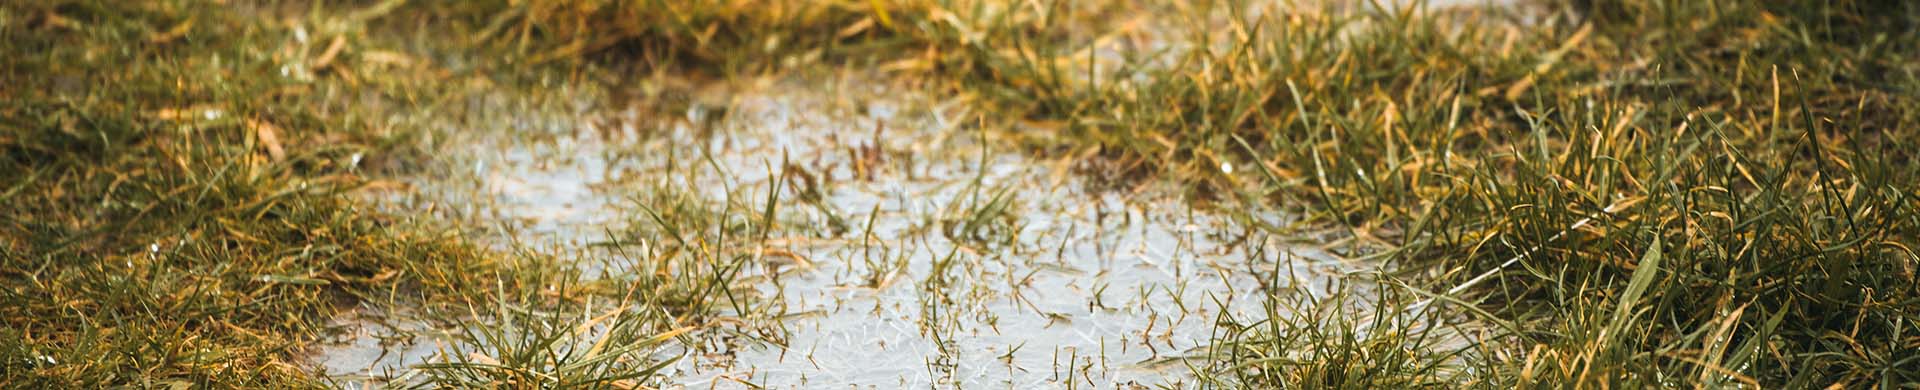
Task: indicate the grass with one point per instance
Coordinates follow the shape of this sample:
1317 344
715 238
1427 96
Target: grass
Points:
1623 193
1645 192
187 201
1302 339
1650 193
176 216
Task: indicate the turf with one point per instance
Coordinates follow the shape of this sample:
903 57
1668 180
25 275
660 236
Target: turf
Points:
177 208
1604 193
1637 192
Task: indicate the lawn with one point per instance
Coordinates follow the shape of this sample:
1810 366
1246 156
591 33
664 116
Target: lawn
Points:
1582 193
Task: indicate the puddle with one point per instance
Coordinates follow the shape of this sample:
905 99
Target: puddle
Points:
375 348
930 253
980 268
529 185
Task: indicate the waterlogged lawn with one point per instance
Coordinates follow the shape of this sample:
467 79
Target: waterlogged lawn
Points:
959 193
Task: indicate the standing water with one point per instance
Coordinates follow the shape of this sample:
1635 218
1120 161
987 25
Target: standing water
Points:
927 251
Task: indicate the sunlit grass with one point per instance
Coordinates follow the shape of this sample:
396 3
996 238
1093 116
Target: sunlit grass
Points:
177 208
1533 171
1623 192
1644 192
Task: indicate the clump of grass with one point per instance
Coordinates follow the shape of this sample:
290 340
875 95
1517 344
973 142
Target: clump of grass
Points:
1345 338
537 350
565 336
987 218
695 253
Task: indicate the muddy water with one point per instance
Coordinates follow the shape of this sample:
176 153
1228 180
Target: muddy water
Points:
929 253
